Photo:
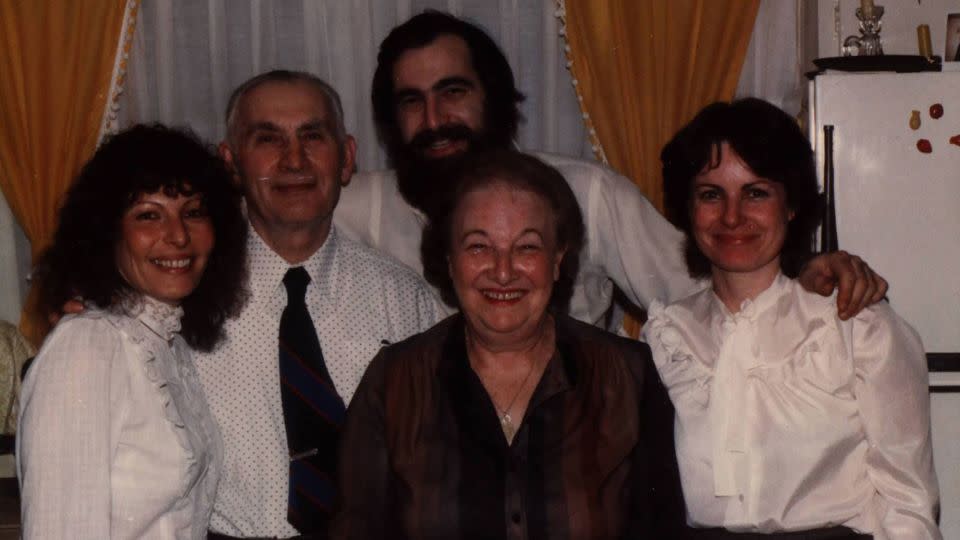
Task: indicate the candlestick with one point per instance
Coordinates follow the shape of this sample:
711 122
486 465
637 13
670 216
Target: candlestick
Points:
868 42
923 41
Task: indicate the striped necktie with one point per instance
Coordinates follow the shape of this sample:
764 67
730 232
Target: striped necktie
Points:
312 412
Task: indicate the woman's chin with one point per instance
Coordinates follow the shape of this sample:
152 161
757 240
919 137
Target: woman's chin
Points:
173 297
506 327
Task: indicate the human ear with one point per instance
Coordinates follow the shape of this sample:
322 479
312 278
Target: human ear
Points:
556 263
226 154
349 160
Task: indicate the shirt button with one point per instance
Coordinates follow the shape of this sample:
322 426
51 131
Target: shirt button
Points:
515 518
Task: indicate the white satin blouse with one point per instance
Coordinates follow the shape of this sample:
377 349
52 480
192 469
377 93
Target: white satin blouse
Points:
790 419
115 439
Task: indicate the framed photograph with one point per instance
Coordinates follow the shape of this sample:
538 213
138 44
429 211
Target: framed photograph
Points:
952 51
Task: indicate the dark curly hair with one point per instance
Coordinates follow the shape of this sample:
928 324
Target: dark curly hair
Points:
81 261
771 143
501 113
520 171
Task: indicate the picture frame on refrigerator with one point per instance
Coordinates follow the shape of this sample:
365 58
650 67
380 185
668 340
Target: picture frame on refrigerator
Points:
951 52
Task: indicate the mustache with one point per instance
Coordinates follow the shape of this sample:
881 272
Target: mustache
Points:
286 179
454 132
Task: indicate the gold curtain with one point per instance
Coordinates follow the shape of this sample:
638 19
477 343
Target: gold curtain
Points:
56 62
644 67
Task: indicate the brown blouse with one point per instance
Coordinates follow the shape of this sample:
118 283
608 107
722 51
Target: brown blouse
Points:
422 454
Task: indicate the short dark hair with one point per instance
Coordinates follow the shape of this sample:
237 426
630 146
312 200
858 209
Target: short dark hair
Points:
501 112
771 143
81 261
289 77
520 171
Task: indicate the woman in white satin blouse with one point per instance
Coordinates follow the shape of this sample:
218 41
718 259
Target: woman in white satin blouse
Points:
790 421
115 439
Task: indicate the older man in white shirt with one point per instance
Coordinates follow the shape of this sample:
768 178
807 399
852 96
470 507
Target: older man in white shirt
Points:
291 156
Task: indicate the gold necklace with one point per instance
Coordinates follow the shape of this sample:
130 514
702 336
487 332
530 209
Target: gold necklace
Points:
506 421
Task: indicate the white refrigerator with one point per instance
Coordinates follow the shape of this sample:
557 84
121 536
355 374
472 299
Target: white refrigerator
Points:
897 203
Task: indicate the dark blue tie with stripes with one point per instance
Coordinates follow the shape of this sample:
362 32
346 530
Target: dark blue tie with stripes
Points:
312 412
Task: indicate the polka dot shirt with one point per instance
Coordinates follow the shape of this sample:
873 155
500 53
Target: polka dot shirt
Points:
358 299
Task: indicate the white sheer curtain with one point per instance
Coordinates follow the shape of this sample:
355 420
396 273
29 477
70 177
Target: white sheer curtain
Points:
188 56
772 68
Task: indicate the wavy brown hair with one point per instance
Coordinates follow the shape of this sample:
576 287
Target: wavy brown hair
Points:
771 143
501 107
81 261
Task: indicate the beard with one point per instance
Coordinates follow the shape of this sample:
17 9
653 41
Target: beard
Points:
427 182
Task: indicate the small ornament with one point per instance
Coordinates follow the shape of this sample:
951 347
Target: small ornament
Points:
914 120
936 111
955 140
924 146
868 42
506 423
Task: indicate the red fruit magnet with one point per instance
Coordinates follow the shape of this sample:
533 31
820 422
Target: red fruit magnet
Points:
955 140
924 146
936 111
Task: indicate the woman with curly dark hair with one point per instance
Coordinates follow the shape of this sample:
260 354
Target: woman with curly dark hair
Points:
116 439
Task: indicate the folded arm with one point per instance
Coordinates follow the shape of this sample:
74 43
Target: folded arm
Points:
858 286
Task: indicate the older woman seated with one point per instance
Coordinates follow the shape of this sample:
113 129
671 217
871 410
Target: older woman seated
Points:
509 419
116 439
790 422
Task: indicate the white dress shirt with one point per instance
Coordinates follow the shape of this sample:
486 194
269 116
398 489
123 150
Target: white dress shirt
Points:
790 419
116 440
628 242
359 300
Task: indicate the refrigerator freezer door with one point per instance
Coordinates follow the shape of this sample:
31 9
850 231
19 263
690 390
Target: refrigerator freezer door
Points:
897 206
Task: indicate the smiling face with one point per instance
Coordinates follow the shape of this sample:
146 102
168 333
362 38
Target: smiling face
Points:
164 245
738 219
286 155
439 98
503 261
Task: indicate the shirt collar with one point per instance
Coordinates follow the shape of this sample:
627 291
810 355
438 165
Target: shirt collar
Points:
161 318
751 309
267 268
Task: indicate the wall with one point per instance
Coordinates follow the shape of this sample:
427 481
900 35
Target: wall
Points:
900 21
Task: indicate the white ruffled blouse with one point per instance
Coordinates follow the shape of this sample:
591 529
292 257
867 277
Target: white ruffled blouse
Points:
115 439
790 419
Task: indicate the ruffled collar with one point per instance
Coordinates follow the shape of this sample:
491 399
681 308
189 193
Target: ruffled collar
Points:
161 318
751 309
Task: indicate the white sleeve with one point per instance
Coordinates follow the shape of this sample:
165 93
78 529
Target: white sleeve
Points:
430 309
637 247
892 393
68 432
359 208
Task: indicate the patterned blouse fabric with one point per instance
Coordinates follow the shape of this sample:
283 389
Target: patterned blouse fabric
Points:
423 454
14 350
115 437
359 300
790 419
